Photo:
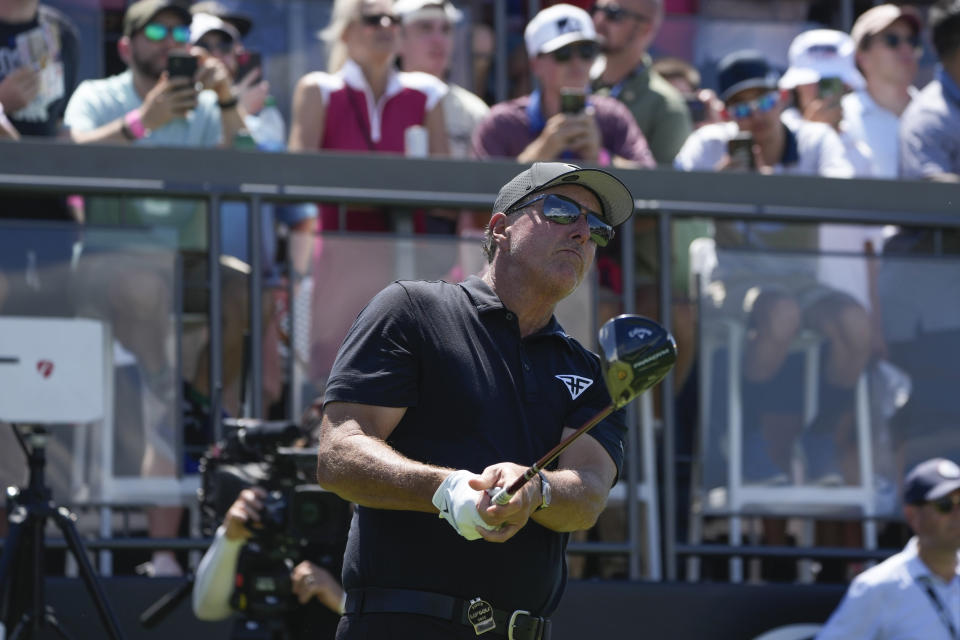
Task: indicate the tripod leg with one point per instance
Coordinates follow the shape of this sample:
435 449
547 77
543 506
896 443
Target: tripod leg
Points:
53 623
11 548
63 519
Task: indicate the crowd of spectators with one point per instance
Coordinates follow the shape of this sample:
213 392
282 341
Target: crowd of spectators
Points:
847 106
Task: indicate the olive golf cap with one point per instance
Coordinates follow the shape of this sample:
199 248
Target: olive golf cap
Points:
615 198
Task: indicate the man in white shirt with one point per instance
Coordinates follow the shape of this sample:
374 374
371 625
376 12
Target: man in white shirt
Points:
916 593
887 39
426 44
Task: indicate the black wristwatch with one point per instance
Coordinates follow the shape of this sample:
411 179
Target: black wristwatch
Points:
546 493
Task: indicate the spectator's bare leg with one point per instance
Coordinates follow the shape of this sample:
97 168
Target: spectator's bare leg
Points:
848 330
774 322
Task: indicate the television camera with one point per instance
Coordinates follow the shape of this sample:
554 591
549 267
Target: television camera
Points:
299 521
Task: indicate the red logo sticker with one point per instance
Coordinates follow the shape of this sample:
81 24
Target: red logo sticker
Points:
45 367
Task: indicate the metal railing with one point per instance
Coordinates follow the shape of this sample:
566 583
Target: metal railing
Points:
214 175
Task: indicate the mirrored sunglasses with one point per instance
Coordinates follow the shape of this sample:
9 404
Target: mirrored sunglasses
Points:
585 50
893 40
157 32
615 13
379 19
564 210
946 504
222 47
763 104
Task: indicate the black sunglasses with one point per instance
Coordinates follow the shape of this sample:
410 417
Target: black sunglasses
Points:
222 47
892 40
564 210
379 19
946 504
615 13
586 51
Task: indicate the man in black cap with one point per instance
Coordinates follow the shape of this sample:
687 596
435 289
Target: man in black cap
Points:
436 377
916 593
748 89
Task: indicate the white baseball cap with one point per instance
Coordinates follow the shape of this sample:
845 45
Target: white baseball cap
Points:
558 26
821 53
412 10
204 23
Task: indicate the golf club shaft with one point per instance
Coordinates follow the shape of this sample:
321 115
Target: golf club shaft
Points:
503 494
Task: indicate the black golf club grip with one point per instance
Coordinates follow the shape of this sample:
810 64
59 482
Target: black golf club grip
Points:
503 495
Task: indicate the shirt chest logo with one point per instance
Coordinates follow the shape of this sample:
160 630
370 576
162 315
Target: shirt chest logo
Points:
576 385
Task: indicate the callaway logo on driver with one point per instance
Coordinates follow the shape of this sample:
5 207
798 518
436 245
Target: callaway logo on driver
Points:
575 384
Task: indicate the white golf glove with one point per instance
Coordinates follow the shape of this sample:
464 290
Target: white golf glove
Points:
457 503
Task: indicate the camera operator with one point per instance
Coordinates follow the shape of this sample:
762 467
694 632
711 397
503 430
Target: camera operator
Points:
319 593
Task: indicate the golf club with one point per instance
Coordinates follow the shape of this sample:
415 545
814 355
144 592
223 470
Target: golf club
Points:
636 353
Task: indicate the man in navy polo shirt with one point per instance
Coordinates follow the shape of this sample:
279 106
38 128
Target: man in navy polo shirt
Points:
443 391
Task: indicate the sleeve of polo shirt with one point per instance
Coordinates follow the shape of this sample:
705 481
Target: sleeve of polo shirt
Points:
378 362
492 138
925 150
833 161
612 430
80 114
858 614
632 143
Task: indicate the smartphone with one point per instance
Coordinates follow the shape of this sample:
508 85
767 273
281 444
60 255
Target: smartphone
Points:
572 100
247 62
698 109
829 88
740 148
181 64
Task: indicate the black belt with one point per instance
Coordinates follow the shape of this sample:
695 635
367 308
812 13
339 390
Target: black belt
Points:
515 625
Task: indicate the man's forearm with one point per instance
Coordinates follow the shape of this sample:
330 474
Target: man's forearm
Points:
231 121
367 471
110 132
577 500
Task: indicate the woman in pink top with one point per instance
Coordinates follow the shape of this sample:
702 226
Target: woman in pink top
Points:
364 104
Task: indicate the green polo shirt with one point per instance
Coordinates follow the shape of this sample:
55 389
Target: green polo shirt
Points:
658 108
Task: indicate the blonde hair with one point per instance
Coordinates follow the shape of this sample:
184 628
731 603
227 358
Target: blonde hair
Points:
344 13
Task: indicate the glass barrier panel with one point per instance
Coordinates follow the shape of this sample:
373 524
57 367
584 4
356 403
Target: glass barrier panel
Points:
349 270
124 281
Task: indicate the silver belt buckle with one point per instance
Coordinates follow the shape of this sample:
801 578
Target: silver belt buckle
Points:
513 621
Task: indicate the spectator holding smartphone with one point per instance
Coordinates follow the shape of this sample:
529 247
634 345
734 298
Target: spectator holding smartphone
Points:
562 45
148 105
749 90
164 98
821 72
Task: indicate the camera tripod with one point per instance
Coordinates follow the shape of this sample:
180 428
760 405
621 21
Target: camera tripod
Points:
23 610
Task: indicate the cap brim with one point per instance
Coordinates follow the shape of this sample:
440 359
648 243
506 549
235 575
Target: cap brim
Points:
749 83
616 199
942 489
242 24
796 76
564 40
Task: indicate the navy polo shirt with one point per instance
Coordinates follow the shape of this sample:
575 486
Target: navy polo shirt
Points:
476 394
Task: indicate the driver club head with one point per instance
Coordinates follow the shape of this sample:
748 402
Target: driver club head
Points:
636 354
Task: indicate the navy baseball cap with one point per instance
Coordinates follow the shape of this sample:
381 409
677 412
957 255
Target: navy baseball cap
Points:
931 480
742 70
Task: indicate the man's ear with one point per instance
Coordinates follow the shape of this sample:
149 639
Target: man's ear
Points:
910 514
498 226
123 49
